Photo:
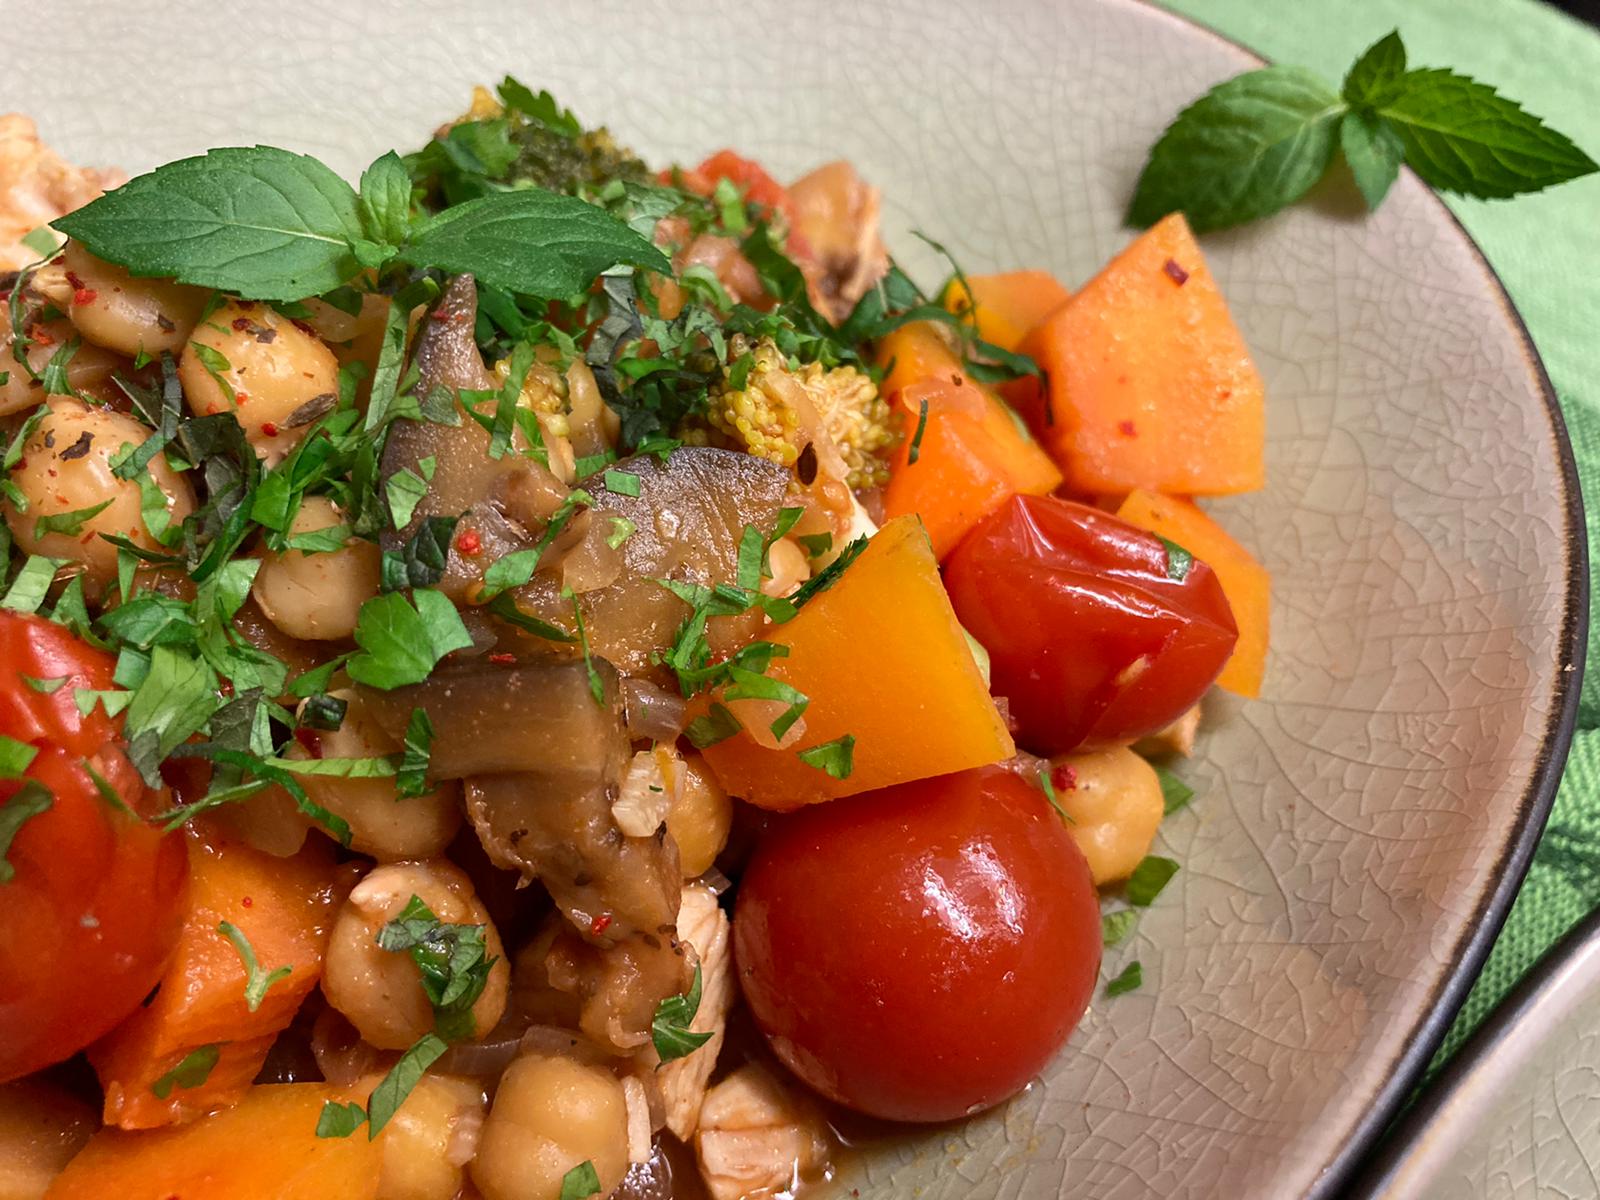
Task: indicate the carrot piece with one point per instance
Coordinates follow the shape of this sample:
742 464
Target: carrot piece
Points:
972 454
881 658
1245 582
1150 382
264 1148
284 907
1005 307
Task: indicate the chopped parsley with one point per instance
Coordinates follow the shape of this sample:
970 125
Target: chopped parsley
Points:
1175 793
581 1182
836 758
1148 879
1115 927
1129 979
257 981
192 1070
453 959
32 799
1179 561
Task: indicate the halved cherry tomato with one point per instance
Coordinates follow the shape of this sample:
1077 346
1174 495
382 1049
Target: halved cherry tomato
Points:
749 176
920 952
1096 631
93 909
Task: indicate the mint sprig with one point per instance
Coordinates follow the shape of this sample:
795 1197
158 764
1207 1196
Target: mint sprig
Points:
273 225
1258 142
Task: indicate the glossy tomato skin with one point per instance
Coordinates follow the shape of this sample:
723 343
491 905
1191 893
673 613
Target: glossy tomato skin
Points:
1091 638
920 952
93 911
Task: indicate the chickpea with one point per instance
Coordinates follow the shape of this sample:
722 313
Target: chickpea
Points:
357 338
700 818
274 370
380 991
316 597
88 370
66 466
1114 799
42 1126
429 1141
549 1116
113 309
381 823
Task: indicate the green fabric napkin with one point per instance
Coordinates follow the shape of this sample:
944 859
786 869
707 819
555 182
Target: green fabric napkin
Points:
1546 248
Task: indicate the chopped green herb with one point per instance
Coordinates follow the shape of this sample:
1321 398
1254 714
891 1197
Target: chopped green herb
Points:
1148 878
453 959
752 685
28 801
506 608
1130 979
405 489
257 981
1175 793
15 757
109 794
48 687
516 568
1047 785
580 1183
69 523
597 685
622 483
41 241
411 777
1116 926
829 575
621 530
915 450
393 1089
670 1030
340 1120
403 640
28 589
718 725
1179 561
815 544
193 1070
835 757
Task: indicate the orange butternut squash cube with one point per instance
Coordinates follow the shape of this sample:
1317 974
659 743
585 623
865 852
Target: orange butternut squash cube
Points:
1245 582
881 658
1004 307
264 1148
284 907
1150 382
973 454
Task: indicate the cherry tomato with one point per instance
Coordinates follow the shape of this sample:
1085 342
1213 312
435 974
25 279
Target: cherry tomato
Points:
749 176
1096 632
93 907
920 952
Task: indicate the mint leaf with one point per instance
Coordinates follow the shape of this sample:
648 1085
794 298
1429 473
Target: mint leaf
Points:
1373 151
1131 978
401 642
263 222
393 1089
836 758
1116 926
1148 879
670 1029
385 200
1463 136
340 1120
531 241
191 1072
28 801
581 1182
15 757
1244 150
1376 74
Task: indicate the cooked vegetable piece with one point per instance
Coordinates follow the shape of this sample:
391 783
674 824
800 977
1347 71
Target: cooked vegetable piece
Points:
1150 382
282 910
1097 631
963 454
849 912
263 1148
1004 307
881 658
1244 581
91 897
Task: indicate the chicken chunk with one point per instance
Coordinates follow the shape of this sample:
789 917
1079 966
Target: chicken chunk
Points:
756 1137
36 186
703 924
836 212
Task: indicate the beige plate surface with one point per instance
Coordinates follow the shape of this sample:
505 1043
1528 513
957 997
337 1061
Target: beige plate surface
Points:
1356 833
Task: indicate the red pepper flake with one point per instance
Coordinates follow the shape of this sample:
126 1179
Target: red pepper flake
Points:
1126 429
438 315
304 328
241 398
247 902
84 296
600 924
1064 778
227 687
469 543
269 429
42 337
74 280
1175 273
311 740
502 660
242 324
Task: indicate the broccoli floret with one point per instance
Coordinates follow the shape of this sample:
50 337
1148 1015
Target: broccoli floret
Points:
767 416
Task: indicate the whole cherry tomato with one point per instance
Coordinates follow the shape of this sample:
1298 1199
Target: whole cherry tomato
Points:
92 903
1096 631
920 952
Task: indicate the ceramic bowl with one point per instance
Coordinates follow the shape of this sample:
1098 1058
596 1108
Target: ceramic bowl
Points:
1359 830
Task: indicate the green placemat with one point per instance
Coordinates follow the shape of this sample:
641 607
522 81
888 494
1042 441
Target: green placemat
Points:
1546 248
